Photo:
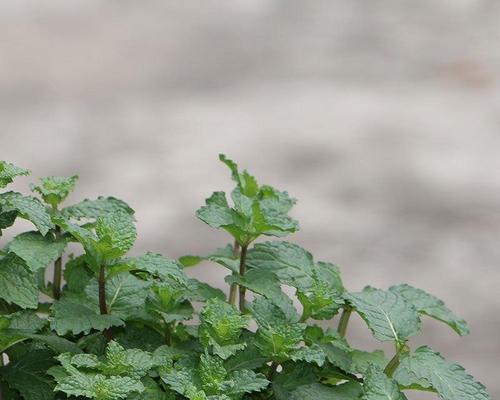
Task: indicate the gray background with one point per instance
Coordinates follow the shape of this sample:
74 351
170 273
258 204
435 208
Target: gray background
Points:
382 118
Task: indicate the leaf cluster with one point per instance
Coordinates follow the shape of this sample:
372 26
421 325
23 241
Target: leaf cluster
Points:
107 325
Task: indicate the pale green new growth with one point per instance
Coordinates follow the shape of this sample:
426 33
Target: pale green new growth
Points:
55 189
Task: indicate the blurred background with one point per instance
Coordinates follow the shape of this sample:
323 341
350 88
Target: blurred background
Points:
382 118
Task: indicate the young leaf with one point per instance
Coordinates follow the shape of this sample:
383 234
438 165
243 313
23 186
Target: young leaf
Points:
116 234
27 207
36 250
55 189
221 327
427 369
17 283
8 172
116 377
431 306
256 211
134 363
388 315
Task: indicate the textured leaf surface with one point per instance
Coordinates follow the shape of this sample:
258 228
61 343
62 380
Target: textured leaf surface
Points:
431 306
125 294
377 386
428 369
36 250
317 391
9 171
17 283
319 286
54 189
27 207
72 316
388 315
115 377
116 233
96 208
157 265
221 327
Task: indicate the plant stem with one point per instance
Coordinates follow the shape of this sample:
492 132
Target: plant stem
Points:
243 289
56 282
168 335
394 362
234 287
103 308
344 321
272 370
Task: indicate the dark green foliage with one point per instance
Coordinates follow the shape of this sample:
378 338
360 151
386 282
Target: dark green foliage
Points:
138 328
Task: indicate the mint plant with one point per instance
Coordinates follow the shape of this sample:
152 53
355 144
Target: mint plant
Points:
106 325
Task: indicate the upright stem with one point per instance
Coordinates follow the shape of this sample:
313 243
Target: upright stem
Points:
103 308
344 321
272 370
394 362
234 287
56 282
243 289
102 291
168 335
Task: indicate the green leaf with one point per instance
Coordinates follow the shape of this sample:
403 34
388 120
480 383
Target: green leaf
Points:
134 363
8 172
77 274
278 334
312 354
363 360
6 218
319 286
264 283
17 283
157 265
116 377
28 375
243 381
37 250
256 211
96 208
246 182
73 316
293 376
387 314
125 294
248 358
317 391
98 386
55 189
221 327
427 369
377 386
431 306
27 207
116 233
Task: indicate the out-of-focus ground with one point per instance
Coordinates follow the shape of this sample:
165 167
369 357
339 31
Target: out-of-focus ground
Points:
382 118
